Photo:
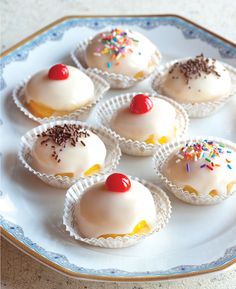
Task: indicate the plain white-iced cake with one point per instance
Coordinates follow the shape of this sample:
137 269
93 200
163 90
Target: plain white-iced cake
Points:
117 207
147 119
58 91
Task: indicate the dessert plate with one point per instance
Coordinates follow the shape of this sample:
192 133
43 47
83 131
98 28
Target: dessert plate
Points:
197 240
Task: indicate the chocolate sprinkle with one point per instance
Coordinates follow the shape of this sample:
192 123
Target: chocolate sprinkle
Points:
62 136
193 68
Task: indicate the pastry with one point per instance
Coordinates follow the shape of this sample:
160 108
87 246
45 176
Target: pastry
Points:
196 80
146 119
202 168
58 91
115 207
68 150
123 52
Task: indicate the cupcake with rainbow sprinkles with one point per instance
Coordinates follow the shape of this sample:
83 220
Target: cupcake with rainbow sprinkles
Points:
123 52
201 171
122 57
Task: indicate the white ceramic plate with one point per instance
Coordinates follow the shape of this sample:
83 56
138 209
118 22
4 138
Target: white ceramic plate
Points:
197 240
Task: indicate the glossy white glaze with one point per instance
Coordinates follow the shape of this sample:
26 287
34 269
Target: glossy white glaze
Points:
74 159
203 180
204 88
100 212
160 121
61 95
144 56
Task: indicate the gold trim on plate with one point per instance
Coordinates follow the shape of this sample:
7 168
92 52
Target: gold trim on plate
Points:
70 273
60 20
59 268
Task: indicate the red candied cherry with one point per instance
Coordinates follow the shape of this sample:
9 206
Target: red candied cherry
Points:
118 183
58 72
140 104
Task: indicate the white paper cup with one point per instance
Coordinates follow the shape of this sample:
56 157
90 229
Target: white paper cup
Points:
64 182
115 80
201 109
162 203
106 110
100 85
161 157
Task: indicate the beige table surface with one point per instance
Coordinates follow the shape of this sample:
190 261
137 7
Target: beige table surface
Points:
19 18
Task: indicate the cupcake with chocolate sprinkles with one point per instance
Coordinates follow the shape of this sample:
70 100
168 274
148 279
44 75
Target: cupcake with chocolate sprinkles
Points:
196 81
200 171
68 150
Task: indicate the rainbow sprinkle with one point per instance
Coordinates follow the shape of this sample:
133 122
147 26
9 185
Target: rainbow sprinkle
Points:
117 44
207 151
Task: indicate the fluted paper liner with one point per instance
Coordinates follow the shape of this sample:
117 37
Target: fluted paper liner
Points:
106 110
100 88
201 109
162 156
163 210
115 80
64 182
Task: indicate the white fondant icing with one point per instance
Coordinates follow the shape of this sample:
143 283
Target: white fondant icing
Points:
100 212
203 180
160 120
143 58
74 159
204 88
61 95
